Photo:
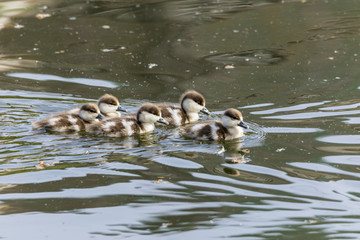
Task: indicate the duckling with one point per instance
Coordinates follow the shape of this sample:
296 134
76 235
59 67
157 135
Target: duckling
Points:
191 103
63 122
144 122
229 128
109 106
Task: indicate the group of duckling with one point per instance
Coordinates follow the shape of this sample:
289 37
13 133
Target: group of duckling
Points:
105 119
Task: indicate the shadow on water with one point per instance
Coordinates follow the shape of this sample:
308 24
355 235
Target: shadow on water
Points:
291 67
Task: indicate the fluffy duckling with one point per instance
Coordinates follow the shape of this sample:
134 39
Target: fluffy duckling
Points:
109 107
108 104
229 128
144 122
191 103
63 122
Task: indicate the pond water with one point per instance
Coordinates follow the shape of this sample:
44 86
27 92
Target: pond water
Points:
290 66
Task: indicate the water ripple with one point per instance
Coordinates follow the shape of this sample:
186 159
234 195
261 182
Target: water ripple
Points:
48 77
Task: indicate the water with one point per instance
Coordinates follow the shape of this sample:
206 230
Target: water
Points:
291 67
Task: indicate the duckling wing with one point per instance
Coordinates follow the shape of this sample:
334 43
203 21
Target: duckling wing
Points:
173 114
115 127
61 123
206 130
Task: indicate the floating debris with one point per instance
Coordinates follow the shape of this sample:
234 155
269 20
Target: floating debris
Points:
236 160
152 65
105 26
280 149
59 52
165 225
41 16
18 26
229 66
245 150
107 50
311 221
42 165
160 180
221 151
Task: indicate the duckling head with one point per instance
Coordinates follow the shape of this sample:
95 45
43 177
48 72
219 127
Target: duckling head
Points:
232 118
193 102
109 104
149 113
89 112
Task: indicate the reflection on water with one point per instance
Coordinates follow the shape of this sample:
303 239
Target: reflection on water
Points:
251 57
162 185
290 66
13 63
47 77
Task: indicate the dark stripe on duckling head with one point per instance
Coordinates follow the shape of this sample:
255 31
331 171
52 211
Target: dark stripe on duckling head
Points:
233 114
109 99
194 95
90 107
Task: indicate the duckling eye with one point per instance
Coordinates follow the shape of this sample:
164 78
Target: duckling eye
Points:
93 111
197 101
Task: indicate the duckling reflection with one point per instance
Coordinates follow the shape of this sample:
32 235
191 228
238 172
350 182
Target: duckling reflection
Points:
233 153
191 103
138 141
63 122
109 106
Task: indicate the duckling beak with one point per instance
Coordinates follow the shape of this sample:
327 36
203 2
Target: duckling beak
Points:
244 125
163 121
206 111
121 109
100 116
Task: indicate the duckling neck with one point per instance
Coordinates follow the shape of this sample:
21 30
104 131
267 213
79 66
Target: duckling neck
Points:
84 121
112 114
234 132
192 116
147 127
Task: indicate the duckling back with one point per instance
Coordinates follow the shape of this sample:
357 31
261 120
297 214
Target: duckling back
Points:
116 127
61 123
207 130
173 114
65 121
